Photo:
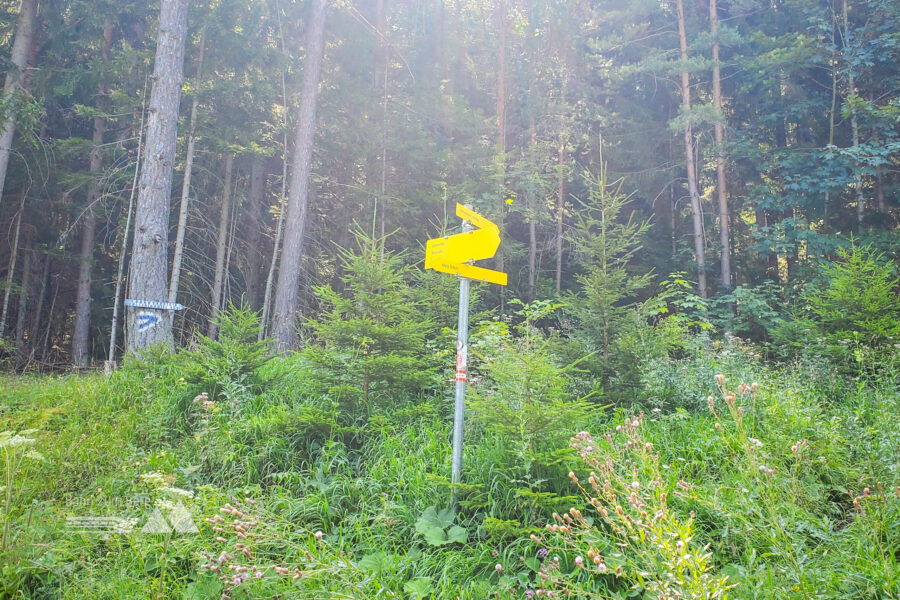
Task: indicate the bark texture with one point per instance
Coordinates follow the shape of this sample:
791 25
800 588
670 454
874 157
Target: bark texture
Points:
80 334
186 182
15 79
721 183
256 219
284 315
221 241
690 165
148 258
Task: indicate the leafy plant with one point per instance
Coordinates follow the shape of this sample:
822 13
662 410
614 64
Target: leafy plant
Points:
436 526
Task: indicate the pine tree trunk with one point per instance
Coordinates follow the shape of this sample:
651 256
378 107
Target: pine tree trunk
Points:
27 351
81 330
699 250
27 255
148 258
502 19
854 126
80 353
282 198
284 316
721 187
178 253
15 80
560 200
531 210
13 255
117 301
221 241
256 201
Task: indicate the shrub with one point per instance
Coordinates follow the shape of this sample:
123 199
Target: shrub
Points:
231 366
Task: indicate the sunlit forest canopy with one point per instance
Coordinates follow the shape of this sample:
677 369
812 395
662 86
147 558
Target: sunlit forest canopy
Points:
751 141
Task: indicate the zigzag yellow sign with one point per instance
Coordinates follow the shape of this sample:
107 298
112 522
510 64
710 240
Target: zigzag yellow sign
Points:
455 253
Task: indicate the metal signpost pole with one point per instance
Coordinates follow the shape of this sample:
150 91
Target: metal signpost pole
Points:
455 254
462 352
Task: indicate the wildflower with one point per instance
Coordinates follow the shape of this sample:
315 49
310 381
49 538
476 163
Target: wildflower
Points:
755 442
579 562
498 567
258 574
720 379
318 535
177 491
542 552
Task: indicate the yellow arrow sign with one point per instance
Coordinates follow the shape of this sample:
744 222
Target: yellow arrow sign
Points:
452 254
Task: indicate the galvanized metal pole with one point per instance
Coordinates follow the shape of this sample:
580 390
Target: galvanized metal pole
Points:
462 355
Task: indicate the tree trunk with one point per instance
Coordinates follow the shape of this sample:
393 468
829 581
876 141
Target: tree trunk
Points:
21 49
284 316
561 188
186 181
27 255
256 201
148 258
501 18
13 255
282 199
117 302
80 353
854 125
531 212
221 241
26 352
48 324
699 251
25 298
721 188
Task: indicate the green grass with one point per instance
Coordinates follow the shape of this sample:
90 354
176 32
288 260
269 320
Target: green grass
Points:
796 533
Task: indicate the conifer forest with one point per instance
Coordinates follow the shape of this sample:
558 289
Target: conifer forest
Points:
450 299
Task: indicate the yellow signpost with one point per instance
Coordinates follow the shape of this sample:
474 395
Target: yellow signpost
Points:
455 254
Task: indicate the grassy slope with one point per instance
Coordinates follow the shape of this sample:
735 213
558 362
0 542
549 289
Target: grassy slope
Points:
794 534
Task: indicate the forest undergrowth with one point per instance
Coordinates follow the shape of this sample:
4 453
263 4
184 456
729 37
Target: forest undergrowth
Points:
727 478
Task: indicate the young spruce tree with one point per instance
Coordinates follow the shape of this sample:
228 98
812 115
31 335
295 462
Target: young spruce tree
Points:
371 334
606 242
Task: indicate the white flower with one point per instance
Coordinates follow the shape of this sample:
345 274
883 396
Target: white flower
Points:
177 491
154 478
10 440
164 504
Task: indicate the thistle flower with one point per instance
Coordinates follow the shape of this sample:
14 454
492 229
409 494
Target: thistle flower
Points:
498 567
